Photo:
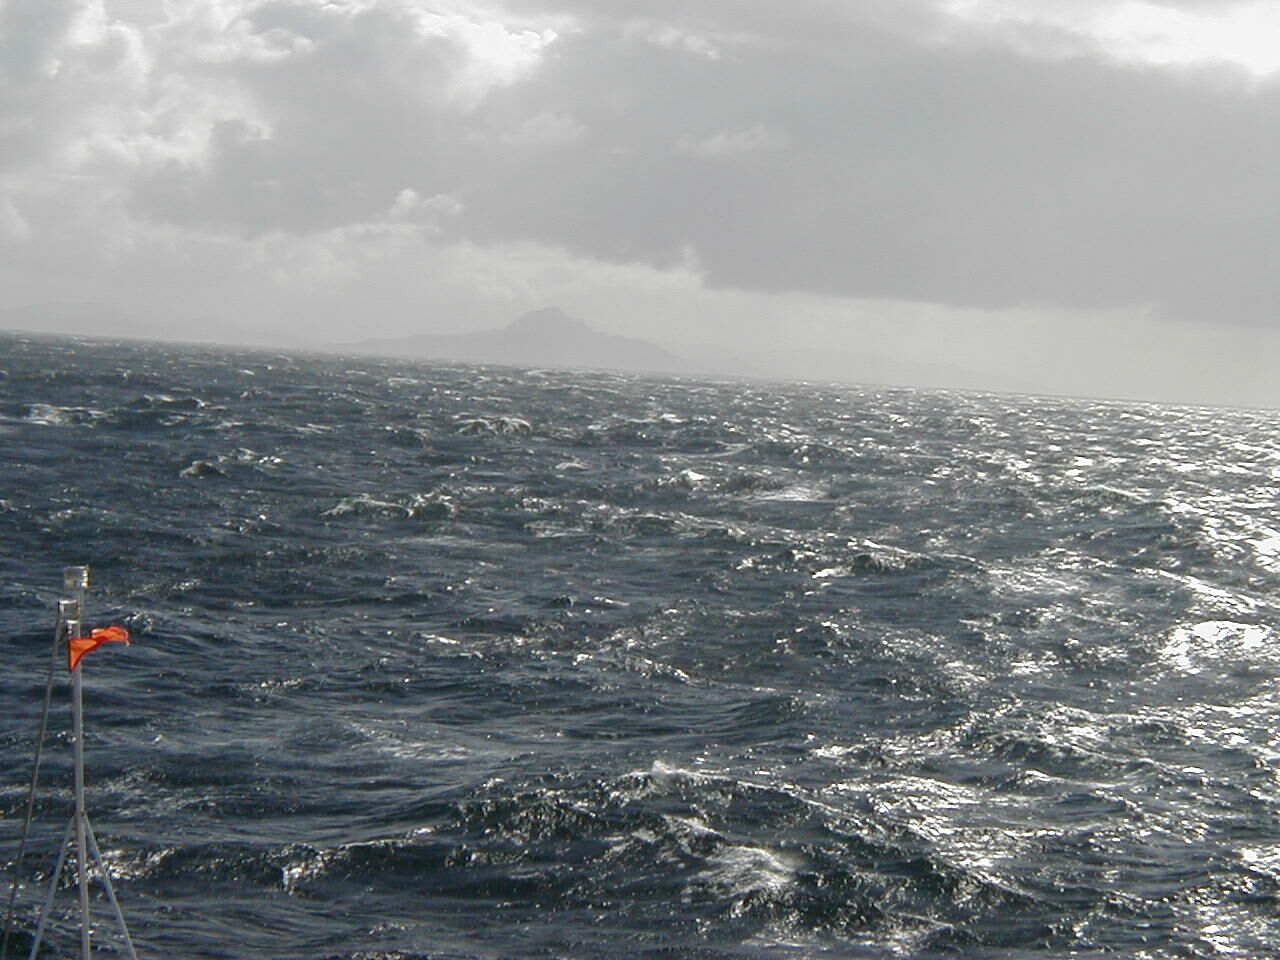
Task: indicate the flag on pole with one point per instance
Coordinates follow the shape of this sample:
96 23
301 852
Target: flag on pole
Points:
78 647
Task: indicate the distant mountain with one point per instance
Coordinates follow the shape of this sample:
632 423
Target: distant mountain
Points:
552 338
542 338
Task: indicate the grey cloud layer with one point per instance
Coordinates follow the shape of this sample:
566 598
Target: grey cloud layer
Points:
963 176
781 147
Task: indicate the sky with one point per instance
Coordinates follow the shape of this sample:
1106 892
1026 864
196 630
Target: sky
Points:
1058 197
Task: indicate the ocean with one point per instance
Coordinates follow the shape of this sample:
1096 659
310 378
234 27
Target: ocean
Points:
452 661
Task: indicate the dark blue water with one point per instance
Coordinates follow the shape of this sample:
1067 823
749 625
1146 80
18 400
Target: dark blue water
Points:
447 661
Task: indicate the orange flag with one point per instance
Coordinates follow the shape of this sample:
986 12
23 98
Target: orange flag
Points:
76 649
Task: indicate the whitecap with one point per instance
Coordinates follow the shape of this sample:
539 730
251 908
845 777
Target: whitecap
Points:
494 426
737 871
1215 599
202 468
1193 647
418 506
1266 548
686 479
50 415
796 493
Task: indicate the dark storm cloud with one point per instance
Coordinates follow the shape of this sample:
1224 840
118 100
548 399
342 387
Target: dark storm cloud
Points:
781 148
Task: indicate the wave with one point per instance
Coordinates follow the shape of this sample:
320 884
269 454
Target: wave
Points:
494 426
52 415
415 506
438 661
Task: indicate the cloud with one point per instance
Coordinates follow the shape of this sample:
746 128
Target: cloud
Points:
954 173
411 205
1235 34
32 35
62 69
906 151
733 143
545 130
12 223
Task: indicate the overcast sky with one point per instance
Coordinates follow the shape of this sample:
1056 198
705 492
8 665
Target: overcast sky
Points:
1080 197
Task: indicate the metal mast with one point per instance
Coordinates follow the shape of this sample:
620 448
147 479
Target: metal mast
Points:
71 613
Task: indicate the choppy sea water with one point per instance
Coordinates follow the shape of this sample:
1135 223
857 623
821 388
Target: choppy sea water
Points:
462 662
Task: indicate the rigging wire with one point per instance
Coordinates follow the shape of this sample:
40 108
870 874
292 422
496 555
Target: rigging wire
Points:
58 631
